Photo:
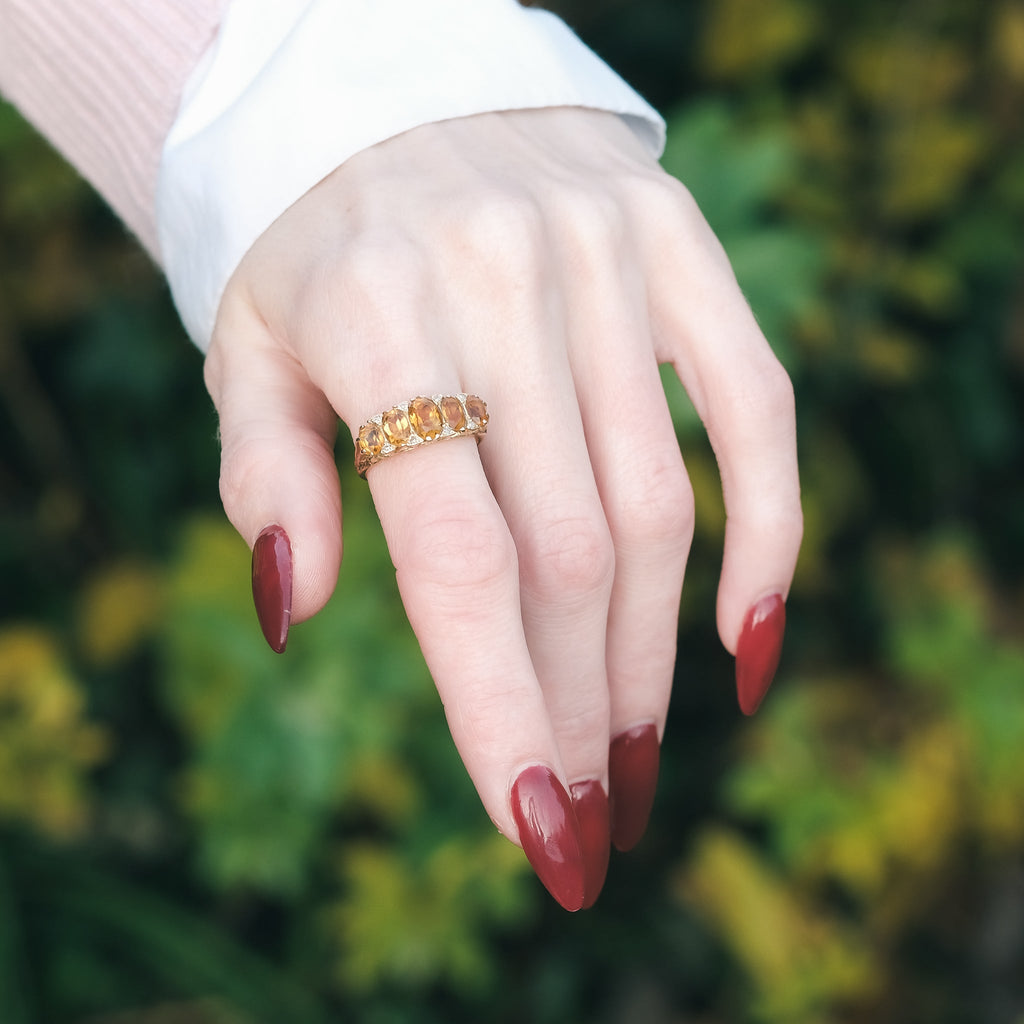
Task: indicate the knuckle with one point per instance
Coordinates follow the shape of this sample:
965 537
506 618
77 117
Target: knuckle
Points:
375 267
660 197
567 556
577 729
764 395
484 706
593 226
670 210
683 201
242 467
499 224
777 389
461 553
660 514
369 258
593 216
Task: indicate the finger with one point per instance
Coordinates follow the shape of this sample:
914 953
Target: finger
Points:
744 397
547 493
540 473
539 469
279 482
648 504
458 575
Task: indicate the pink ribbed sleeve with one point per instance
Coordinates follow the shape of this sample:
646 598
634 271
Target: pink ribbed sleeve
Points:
102 80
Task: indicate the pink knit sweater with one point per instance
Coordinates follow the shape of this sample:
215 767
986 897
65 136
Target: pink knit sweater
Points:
102 80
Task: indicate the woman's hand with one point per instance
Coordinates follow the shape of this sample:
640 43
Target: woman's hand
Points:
541 260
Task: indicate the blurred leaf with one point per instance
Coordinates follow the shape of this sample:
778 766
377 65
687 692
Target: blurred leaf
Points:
834 494
890 357
46 745
119 609
385 788
932 285
800 961
751 37
732 173
418 923
899 71
1008 39
928 162
162 942
878 799
276 738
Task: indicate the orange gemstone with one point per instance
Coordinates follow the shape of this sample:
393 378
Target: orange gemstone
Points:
371 439
396 427
425 418
451 409
477 408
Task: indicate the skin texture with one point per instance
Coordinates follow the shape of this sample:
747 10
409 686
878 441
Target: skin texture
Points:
542 260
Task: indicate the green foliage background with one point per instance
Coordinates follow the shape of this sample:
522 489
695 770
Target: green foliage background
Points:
193 830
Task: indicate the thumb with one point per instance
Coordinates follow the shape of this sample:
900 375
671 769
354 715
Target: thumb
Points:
278 480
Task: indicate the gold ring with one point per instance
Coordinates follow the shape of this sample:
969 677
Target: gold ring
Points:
418 422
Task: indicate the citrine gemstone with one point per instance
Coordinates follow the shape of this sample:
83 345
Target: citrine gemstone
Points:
425 418
451 410
396 427
371 439
477 409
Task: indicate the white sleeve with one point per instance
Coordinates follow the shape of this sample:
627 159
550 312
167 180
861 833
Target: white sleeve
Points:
293 88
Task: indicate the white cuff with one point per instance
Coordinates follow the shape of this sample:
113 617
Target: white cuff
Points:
293 88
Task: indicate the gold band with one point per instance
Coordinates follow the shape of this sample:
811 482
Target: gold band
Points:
418 422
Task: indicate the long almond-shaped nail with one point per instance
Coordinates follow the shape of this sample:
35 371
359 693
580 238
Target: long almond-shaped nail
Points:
272 585
633 760
550 834
758 651
590 802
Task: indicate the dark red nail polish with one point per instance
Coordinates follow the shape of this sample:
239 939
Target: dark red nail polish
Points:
550 834
632 780
758 651
272 585
590 802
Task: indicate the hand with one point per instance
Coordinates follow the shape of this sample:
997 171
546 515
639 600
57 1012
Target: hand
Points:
541 260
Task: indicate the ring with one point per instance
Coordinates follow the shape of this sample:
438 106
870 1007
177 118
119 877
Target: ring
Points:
418 422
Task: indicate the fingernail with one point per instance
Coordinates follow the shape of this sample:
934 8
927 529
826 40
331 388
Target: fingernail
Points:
758 651
632 780
550 834
272 585
590 802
